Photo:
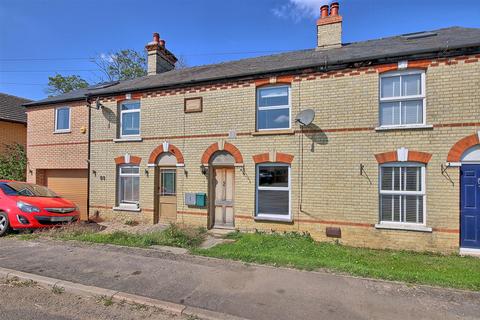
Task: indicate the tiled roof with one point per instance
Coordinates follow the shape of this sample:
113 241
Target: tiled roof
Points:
437 41
12 109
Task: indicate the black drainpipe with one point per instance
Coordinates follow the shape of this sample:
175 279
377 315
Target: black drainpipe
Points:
89 157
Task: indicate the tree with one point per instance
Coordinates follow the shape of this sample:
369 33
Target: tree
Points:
59 84
13 163
122 65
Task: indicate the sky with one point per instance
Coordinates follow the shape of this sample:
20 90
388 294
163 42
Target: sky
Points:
39 38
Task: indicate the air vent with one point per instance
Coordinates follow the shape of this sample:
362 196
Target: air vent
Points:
418 35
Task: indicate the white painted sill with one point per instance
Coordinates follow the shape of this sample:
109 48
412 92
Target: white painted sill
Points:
62 131
131 208
409 127
273 132
133 139
273 219
401 226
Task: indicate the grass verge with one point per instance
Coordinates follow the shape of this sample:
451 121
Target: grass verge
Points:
302 252
174 236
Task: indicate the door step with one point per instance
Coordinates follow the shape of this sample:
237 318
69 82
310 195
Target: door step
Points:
220 232
470 252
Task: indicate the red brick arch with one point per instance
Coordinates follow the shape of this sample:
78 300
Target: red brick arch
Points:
171 148
133 160
455 153
237 155
278 157
413 156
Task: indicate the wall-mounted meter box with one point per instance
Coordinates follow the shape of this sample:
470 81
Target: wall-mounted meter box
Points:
201 200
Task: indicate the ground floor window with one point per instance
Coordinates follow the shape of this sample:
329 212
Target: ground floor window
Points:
273 191
128 184
402 193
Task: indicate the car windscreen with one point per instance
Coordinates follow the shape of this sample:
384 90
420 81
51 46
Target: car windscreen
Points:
27 190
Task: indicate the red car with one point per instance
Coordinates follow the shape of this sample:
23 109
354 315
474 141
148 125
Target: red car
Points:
30 206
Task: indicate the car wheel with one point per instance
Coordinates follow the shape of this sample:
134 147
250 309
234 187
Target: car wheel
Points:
4 223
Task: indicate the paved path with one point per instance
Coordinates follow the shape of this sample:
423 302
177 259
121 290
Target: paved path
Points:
248 291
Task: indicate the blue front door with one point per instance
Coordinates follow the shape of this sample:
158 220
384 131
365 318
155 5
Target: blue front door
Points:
470 206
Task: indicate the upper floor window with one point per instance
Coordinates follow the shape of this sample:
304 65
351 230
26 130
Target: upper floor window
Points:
273 191
128 185
402 99
273 108
402 193
130 118
62 119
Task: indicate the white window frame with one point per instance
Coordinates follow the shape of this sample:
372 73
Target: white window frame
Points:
402 98
289 106
56 130
269 216
423 192
130 111
122 203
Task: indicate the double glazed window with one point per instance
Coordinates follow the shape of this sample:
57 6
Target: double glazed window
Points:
130 119
402 193
273 108
273 191
402 99
129 184
62 119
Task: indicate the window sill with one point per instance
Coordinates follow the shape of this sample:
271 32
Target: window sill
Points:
411 127
401 226
273 132
132 208
134 139
63 131
273 219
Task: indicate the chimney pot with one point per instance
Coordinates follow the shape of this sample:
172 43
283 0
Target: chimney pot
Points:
334 9
323 11
162 43
156 37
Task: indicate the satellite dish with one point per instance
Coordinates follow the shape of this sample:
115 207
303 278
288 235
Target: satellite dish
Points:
305 117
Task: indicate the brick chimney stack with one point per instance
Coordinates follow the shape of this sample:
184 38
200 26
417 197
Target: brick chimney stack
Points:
159 58
329 27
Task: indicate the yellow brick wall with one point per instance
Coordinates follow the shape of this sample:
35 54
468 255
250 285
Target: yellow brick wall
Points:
344 136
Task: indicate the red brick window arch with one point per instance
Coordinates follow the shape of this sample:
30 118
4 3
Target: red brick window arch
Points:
230 148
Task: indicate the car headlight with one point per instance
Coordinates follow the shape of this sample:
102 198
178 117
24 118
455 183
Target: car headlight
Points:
25 207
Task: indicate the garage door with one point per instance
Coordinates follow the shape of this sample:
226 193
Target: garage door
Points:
70 184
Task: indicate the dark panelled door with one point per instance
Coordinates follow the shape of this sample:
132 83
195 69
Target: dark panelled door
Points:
470 206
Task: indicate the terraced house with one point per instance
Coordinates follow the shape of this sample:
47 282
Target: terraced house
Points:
390 160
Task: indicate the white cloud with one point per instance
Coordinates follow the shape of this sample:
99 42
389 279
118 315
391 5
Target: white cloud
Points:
107 57
299 9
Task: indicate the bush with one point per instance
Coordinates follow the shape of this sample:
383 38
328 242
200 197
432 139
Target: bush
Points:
13 163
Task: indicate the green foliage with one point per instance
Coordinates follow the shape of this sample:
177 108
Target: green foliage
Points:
302 252
59 84
13 163
123 65
174 235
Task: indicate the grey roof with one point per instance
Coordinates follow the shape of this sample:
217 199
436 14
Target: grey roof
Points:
12 109
436 41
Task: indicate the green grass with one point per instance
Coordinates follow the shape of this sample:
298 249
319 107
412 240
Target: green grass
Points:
302 252
174 236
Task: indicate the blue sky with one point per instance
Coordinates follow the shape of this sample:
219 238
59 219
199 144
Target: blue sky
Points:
41 37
